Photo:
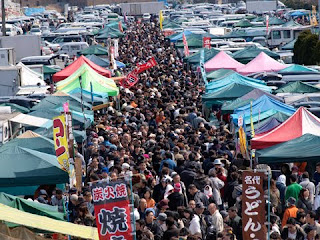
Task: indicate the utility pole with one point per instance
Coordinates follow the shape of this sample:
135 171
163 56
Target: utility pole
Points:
3 11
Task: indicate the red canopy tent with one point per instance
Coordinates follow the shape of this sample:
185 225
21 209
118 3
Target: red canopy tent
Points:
300 123
63 74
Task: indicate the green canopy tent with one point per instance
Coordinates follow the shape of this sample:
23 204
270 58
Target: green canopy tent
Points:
95 49
193 42
110 35
171 25
301 149
298 87
34 141
246 55
289 45
90 79
26 167
276 21
228 93
31 207
219 74
258 19
115 25
291 23
244 23
79 135
16 107
299 69
195 58
48 72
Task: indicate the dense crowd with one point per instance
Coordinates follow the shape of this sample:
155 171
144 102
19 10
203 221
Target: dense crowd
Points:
185 171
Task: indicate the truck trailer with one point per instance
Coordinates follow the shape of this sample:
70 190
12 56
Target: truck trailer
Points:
139 8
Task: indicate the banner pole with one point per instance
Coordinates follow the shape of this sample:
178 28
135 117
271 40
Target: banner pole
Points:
269 179
133 216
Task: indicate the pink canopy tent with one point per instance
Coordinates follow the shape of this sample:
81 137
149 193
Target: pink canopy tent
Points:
63 74
300 123
261 63
222 60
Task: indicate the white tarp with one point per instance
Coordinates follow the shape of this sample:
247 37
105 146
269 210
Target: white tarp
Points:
30 77
31 120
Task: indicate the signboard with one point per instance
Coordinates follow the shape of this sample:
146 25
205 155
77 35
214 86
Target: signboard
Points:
185 44
203 71
111 208
130 80
253 206
61 141
206 42
70 136
240 121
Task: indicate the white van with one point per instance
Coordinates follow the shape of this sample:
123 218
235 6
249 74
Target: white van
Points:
72 49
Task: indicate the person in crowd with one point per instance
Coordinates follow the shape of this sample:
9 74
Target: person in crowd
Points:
293 190
306 183
292 230
291 211
303 200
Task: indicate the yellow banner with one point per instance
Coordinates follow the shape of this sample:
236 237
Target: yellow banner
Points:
161 19
243 143
61 142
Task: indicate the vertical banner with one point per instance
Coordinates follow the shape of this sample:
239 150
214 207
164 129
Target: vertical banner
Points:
120 26
160 19
253 206
203 71
116 48
267 25
113 64
206 42
70 136
251 121
111 208
185 44
61 142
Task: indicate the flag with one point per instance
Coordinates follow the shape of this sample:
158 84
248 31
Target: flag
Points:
251 121
143 67
112 210
267 24
161 19
203 71
185 44
113 64
125 17
120 26
131 79
61 142
65 107
243 142
206 42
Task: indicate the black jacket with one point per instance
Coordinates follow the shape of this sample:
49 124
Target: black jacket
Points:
158 193
175 201
285 232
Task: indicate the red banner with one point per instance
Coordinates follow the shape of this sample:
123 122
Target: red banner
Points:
167 33
130 80
253 206
111 208
206 42
143 67
120 26
185 44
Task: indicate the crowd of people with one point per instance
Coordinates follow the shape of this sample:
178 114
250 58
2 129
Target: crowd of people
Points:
185 171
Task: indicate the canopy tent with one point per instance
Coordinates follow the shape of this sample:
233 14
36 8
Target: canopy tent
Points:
26 167
247 33
298 14
229 92
32 121
171 25
102 62
34 141
29 77
208 54
297 69
31 206
49 70
96 50
262 104
301 149
219 74
222 60
244 23
258 19
110 34
193 42
16 216
270 123
298 87
112 30
229 107
259 117
289 45
236 78
76 65
16 107
179 36
115 25
279 116
262 63
291 23
90 81
276 21
300 123
246 55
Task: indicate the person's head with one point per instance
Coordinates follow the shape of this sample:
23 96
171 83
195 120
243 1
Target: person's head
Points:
143 203
169 222
305 175
188 213
147 194
59 194
95 162
142 166
291 201
105 172
140 224
291 224
212 208
318 167
310 231
87 196
192 189
149 216
304 193
311 217
293 178
74 199
192 204
162 217
301 217
114 176
275 236
232 211
199 208
176 178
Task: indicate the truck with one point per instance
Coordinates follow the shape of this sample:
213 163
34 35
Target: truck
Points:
139 8
261 6
24 45
10 80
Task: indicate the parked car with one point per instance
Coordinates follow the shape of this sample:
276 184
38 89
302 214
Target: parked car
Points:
73 49
35 31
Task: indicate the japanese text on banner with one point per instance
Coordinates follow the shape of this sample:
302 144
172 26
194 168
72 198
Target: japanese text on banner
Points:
253 206
111 207
61 142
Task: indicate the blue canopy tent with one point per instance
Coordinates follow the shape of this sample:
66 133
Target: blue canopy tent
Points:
180 35
236 78
298 14
270 124
102 62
